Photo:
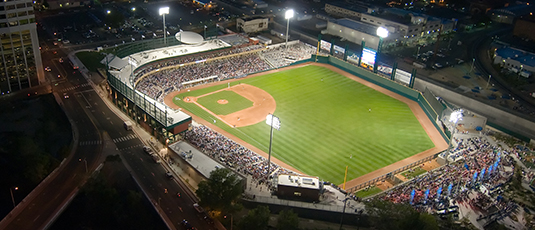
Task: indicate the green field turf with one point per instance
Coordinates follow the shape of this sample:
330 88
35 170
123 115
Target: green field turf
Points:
235 102
326 124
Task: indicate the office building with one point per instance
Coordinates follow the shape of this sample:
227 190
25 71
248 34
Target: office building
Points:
21 59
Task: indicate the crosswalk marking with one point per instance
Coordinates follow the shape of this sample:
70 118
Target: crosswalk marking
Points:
125 138
116 140
74 87
82 143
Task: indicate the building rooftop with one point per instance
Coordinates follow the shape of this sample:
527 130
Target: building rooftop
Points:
354 7
521 56
509 53
202 163
299 181
356 25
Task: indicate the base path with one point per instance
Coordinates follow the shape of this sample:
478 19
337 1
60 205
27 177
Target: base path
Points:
432 132
263 104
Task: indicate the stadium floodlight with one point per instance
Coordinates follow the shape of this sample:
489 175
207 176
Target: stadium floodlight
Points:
273 122
456 115
288 15
163 11
382 33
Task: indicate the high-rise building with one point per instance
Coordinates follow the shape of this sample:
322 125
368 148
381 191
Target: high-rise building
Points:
21 65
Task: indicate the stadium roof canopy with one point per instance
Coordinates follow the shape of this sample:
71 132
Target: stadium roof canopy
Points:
188 37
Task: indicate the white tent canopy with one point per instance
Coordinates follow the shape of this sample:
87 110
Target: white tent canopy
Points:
114 62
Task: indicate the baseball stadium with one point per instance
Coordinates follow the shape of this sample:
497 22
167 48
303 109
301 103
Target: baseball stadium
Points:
338 121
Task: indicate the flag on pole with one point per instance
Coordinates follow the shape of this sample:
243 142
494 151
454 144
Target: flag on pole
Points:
482 174
412 195
439 191
449 189
426 195
474 178
466 166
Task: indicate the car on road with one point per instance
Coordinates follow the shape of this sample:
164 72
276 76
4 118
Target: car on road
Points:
47 69
65 96
186 225
169 175
148 150
156 159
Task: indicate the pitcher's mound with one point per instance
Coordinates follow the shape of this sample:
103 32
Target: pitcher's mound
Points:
222 101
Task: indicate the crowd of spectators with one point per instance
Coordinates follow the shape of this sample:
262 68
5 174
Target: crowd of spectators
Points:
228 152
193 58
477 155
282 56
171 79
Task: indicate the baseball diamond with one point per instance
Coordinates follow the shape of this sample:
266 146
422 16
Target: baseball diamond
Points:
330 119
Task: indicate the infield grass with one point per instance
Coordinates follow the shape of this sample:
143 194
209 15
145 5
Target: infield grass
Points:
326 124
235 102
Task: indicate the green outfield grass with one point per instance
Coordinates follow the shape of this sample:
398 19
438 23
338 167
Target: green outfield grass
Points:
326 124
235 102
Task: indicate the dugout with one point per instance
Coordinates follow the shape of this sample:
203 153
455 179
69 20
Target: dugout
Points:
302 188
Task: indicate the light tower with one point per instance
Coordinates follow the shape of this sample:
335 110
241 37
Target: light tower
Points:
163 12
382 33
288 15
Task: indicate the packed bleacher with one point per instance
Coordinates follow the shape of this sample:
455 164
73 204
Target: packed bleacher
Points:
158 83
193 58
476 169
228 152
282 56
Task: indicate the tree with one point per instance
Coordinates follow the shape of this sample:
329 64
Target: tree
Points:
427 222
257 219
287 220
220 191
388 215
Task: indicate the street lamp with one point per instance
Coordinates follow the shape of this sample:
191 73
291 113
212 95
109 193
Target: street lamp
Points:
490 76
108 11
163 12
134 11
288 15
205 31
382 33
472 68
12 198
273 122
85 162
343 212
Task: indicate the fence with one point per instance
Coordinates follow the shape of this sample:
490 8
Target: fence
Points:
383 177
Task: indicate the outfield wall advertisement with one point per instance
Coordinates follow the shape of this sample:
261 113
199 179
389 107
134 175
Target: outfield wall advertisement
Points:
403 76
325 45
368 58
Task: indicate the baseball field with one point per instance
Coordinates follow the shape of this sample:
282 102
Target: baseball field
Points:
328 121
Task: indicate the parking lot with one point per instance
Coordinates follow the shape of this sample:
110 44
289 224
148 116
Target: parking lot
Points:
125 22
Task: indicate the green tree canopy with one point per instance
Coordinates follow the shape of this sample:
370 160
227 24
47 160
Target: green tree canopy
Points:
388 215
287 220
220 191
257 219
